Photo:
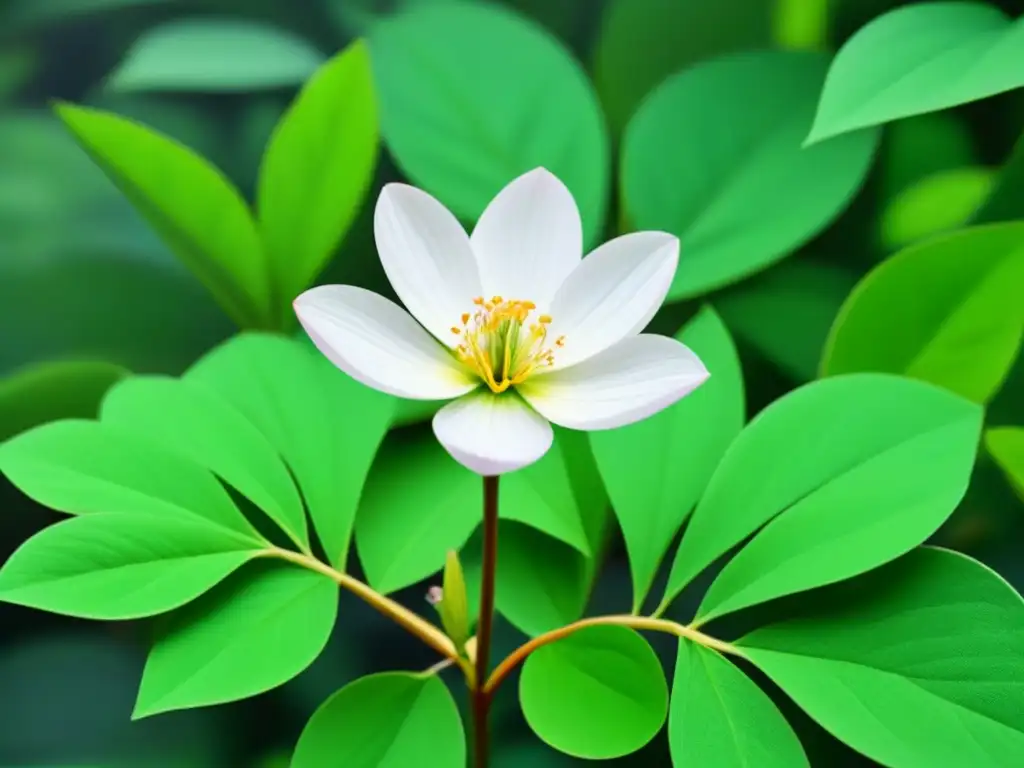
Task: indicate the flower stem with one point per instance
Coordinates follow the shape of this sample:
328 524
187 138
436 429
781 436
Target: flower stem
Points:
519 655
485 624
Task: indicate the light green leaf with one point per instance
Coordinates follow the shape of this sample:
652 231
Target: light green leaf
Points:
597 694
215 55
963 328
121 565
419 503
61 389
252 632
785 313
642 42
834 508
656 469
921 58
388 720
938 203
714 156
1006 444
920 663
190 204
472 96
718 716
84 467
1005 201
196 424
317 170
325 425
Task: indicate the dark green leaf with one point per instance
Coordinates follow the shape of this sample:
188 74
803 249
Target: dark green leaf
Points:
389 720
923 664
714 157
253 632
718 716
472 96
1004 204
121 565
921 58
1006 444
656 469
963 328
598 693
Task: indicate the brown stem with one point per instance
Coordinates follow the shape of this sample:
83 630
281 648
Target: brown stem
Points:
485 624
519 655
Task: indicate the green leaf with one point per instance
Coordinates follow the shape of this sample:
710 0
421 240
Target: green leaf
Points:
921 664
753 195
597 694
61 389
834 508
472 96
198 425
718 716
541 583
121 565
1006 445
215 55
317 170
642 42
785 313
419 503
201 217
325 425
1004 203
656 469
389 720
917 59
938 203
84 467
920 146
963 328
250 633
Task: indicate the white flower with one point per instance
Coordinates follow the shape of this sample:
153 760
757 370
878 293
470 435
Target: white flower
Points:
511 321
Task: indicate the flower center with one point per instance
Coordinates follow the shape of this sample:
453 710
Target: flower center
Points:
499 343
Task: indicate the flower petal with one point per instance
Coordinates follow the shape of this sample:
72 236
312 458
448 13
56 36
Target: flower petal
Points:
492 434
427 257
528 239
378 343
628 382
612 294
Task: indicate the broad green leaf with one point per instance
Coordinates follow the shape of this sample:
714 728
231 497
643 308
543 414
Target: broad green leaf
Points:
190 204
325 425
419 503
121 565
938 203
785 313
642 42
215 55
387 720
200 426
656 469
541 582
961 330
1004 203
714 156
921 663
834 507
597 694
1006 444
84 467
472 96
317 170
921 58
61 389
252 632
718 716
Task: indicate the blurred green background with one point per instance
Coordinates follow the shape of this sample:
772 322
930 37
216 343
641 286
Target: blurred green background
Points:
88 292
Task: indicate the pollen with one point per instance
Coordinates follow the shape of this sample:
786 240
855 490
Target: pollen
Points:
502 344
